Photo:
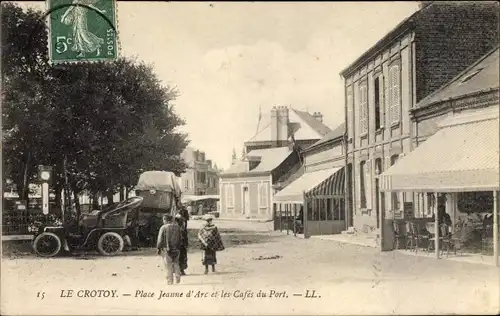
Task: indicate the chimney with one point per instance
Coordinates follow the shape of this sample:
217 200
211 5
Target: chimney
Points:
283 117
274 125
318 116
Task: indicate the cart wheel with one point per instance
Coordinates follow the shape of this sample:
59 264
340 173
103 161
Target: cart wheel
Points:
110 244
47 244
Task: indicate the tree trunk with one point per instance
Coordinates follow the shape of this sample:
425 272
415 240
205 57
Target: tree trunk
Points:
109 196
77 205
95 201
122 193
58 193
25 191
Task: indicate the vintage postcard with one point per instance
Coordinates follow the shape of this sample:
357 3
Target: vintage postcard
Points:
239 158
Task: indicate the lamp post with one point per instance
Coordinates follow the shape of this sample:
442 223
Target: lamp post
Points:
44 176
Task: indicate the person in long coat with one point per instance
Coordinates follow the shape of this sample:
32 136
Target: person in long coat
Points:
211 242
183 260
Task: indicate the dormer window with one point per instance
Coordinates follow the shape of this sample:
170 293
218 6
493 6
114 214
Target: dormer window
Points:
253 162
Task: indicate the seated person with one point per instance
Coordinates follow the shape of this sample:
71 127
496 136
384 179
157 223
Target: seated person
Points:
443 217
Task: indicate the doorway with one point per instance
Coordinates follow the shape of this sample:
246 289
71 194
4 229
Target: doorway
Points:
246 201
377 202
350 198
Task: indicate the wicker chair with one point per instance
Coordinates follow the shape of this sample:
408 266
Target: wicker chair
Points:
409 237
397 235
487 239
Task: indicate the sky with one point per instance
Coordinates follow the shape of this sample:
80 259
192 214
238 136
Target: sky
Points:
229 59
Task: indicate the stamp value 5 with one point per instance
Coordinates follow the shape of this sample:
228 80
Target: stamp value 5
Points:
82 30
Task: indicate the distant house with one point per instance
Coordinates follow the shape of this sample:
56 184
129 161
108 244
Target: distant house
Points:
320 188
246 187
201 176
272 156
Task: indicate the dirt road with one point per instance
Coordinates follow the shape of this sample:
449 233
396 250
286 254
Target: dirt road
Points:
338 278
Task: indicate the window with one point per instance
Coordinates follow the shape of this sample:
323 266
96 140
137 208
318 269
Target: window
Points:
394 93
336 210
317 207
201 177
395 195
342 210
329 209
363 109
186 184
379 110
229 195
349 114
263 195
362 184
322 209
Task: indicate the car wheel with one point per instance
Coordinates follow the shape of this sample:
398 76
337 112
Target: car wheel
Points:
47 244
110 244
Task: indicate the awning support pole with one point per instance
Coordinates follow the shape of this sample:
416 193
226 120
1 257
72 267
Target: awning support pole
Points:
436 226
281 217
287 218
495 227
306 207
294 222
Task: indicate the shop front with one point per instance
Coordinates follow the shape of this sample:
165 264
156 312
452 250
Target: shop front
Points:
454 172
313 204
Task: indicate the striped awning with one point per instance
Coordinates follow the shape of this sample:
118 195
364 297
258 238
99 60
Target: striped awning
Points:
325 183
332 186
462 156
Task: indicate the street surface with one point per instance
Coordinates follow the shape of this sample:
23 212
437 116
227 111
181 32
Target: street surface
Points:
341 278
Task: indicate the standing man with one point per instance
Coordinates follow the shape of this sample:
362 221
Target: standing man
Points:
170 240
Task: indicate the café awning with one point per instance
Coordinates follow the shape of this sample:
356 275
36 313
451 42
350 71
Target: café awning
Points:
463 155
328 182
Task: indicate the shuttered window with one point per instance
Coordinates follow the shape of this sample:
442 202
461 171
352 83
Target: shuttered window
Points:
363 109
230 195
263 195
349 114
379 102
394 93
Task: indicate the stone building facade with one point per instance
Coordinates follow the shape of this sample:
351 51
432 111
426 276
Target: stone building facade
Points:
421 54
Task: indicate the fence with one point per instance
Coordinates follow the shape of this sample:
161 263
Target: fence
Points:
24 222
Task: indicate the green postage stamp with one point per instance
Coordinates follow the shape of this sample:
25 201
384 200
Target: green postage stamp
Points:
82 30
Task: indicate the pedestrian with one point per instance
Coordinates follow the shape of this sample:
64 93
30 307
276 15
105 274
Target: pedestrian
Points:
185 215
211 242
170 241
184 245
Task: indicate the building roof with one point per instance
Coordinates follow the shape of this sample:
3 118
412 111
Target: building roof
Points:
270 159
337 133
402 28
482 76
312 122
308 127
